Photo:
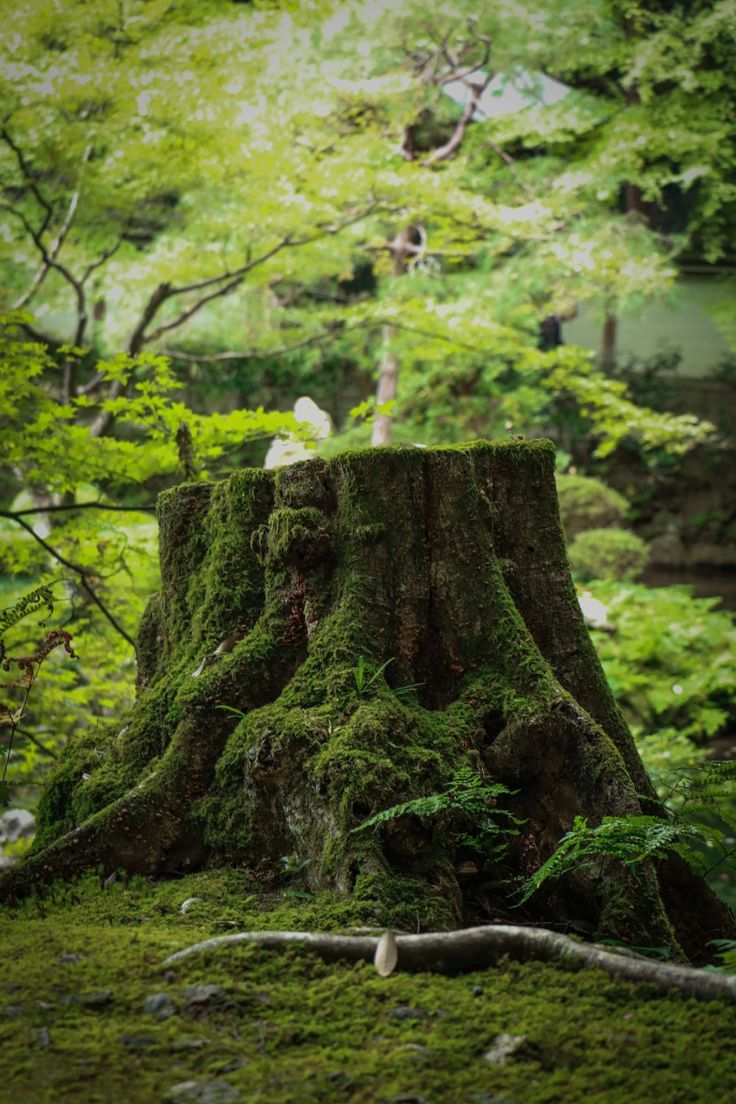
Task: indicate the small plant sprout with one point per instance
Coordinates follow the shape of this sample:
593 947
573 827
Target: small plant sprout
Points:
364 680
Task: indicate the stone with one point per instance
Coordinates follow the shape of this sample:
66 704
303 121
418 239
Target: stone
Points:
203 1092
159 1005
101 999
198 997
503 1046
16 824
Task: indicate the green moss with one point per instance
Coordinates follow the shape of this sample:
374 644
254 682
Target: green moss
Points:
289 1029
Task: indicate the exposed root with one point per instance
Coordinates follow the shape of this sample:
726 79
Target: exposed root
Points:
476 948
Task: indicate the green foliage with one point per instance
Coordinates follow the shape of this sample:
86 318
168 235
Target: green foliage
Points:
587 503
73 499
726 949
20 672
467 797
629 840
607 554
671 664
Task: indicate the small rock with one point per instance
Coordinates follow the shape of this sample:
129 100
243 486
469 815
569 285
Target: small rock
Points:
403 1012
187 1044
159 1005
138 1042
477 990
199 997
491 1098
67 959
504 1045
100 999
186 905
44 1039
16 824
13 1011
203 1092
417 1051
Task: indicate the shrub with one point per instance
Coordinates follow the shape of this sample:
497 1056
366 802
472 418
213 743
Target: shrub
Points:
587 503
608 554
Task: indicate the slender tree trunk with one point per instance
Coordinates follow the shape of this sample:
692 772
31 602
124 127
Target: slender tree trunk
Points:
388 378
388 372
380 622
608 347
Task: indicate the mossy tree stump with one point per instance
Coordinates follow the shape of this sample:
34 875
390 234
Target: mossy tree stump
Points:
449 566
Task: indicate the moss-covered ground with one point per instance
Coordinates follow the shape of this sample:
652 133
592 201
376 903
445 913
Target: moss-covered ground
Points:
285 1027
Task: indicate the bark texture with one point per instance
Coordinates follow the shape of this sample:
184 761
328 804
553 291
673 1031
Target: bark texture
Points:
448 567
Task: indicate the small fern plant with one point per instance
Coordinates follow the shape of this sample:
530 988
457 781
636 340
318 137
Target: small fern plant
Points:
466 798
630 840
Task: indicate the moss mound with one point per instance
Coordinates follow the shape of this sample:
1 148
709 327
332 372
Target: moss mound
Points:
89 1015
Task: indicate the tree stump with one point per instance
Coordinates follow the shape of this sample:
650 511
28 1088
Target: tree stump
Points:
380 622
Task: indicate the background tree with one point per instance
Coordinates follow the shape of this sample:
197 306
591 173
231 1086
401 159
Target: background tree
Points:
224 184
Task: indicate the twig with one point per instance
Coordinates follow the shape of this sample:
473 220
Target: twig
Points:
476 948
317 339
14 724
79 506
84 583
34 740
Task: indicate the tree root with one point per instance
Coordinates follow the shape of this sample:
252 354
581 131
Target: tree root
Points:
476 948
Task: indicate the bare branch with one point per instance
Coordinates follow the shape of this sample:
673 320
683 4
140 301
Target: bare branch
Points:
105 255
82 506
336 330
185 315
450 148
36 742
28 177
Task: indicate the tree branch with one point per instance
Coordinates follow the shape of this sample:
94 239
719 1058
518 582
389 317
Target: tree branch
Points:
80 506
476 948
83 581
53 251
450 148
316 339
28 177
36 742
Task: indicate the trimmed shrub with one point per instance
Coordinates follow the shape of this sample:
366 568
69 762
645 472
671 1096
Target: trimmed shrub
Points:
587 503
608 554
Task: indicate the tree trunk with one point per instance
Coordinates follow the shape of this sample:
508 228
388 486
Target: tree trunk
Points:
608 344
380 621
388 378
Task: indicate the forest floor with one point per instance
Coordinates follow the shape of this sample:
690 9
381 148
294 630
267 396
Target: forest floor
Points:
88 1013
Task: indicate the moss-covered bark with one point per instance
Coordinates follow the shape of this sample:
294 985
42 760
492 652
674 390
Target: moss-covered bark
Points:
445 565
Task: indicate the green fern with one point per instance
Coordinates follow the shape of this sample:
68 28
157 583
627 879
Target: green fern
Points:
467 797
726 950
630 840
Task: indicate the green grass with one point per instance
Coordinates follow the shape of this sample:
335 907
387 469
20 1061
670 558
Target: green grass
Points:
289 1028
